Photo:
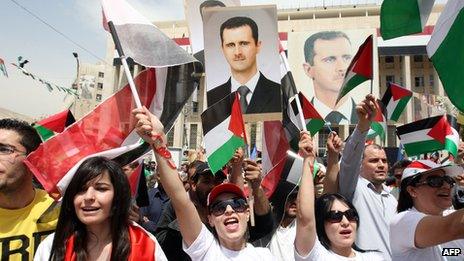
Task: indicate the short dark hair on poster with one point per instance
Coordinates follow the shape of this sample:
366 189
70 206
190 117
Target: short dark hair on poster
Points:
324 35
239 21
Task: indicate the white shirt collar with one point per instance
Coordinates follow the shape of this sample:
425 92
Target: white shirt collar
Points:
251 84
344 109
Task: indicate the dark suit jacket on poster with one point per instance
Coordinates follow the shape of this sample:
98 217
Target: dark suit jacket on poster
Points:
266 97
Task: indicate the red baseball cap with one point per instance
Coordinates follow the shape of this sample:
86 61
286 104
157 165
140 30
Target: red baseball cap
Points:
224 188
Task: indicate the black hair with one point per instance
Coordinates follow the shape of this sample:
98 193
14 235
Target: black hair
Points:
210 3
69 224
399 165
29 138
325 35
323 206
405 201
239 21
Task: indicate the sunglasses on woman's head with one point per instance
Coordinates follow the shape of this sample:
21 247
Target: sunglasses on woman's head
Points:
437 181
239 205
335 216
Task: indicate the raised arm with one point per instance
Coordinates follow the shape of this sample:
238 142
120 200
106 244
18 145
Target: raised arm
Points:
152 131
350 165
236 170
435 230
334 147
306 220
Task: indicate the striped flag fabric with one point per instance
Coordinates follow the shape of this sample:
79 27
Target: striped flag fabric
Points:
404 17
445 51
379 123
54 124
140 39
431 134
283 178
395 100
223 130
360 68
313 120
3 68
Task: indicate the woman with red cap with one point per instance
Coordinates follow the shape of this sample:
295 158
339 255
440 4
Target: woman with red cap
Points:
228 209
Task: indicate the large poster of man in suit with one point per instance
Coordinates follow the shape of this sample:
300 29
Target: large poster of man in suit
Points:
241 54
319 61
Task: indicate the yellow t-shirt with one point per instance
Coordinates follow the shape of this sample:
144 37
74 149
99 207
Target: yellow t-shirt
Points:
21 230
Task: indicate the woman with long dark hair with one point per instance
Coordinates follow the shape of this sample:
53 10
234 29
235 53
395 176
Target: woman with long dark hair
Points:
94 219
329 233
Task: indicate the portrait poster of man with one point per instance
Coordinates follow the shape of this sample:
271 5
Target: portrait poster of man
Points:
193 12
241 54
319 60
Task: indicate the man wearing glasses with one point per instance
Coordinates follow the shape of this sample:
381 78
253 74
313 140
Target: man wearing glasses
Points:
25 211
421 230
363 170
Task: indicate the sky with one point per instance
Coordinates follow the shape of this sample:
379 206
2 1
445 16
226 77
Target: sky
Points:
50 54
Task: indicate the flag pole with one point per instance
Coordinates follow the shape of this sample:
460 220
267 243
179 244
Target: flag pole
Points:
123 58
300 112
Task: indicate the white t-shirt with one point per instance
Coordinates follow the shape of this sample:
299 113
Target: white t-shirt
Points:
206 247
402 232
281 244
320 253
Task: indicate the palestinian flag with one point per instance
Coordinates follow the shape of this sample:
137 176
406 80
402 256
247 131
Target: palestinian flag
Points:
404 17
395 99
431 134
313 121
446 52
379 123
139 38
3 68
224 131
138 185
360 69
54 124
276 135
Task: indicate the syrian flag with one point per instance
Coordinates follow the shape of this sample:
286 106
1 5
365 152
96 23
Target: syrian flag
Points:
431 134
395 100
404 17
313 120
54 124
139 38
224 131
446 52
3 68
109 129
360 69
276 135
379 123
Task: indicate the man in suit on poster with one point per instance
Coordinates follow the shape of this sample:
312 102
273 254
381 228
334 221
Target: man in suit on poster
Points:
328 55
240 46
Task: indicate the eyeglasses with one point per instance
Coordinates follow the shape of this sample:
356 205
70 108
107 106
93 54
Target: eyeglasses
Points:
335 216
6 150
239 205
437 181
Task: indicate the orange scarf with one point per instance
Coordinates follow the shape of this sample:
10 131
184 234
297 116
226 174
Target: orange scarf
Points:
142 246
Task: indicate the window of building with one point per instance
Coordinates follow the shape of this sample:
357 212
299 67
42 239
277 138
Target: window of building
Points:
98 97
431 80
389 59
193 136
101 74
194 106
170 137
323 135
100 86
419 81
418 58
390 78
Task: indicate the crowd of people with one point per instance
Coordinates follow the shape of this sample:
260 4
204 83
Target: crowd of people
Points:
344 212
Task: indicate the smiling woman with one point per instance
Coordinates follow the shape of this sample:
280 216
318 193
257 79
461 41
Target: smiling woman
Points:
94 219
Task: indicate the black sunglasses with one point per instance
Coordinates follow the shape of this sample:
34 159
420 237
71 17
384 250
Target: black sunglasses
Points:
437 181
337 216
239 205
